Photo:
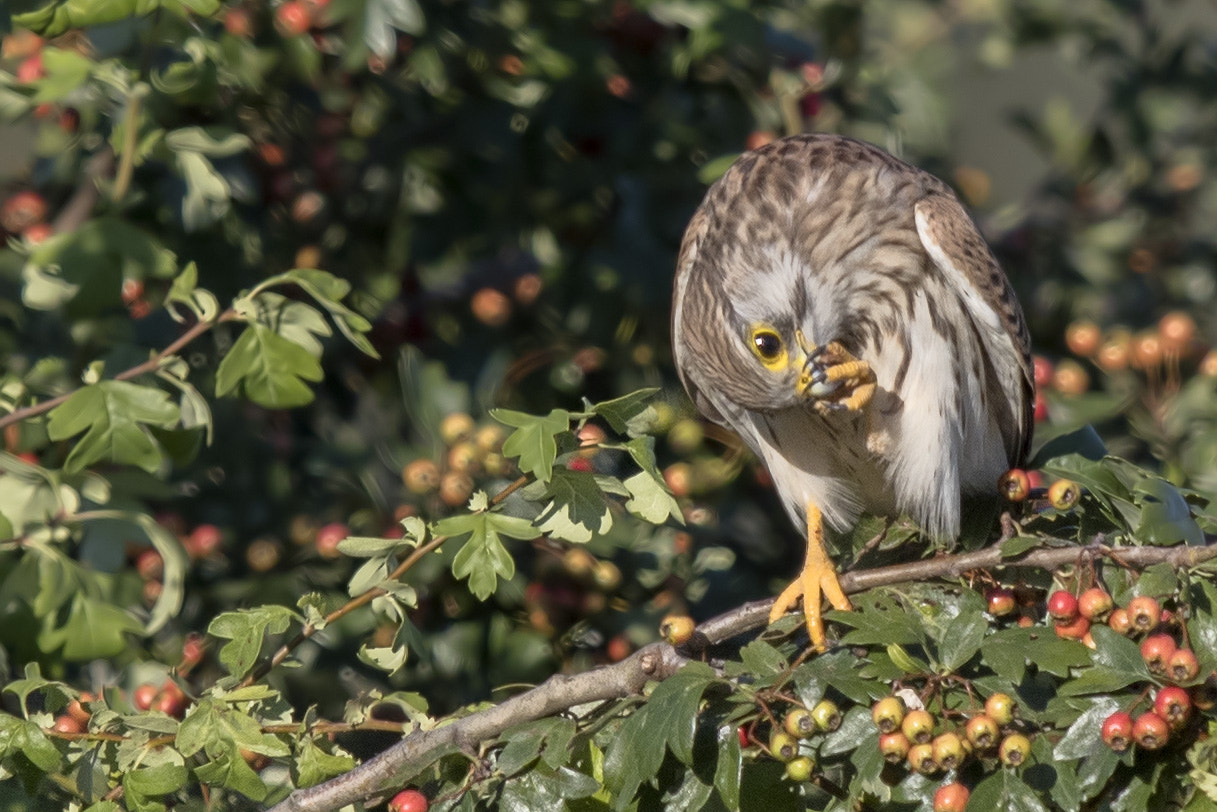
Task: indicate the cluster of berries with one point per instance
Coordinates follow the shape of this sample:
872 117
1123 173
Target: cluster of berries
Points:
799 724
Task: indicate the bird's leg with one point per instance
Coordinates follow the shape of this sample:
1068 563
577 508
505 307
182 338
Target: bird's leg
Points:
818 576
834 379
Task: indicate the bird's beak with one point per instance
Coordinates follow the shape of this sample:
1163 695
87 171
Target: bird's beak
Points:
813 381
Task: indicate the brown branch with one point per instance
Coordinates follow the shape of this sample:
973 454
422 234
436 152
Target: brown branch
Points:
657 661
151 365
80 204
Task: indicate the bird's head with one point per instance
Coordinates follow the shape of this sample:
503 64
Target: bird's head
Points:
787 370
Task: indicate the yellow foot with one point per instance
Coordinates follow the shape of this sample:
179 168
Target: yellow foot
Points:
818 576
836 379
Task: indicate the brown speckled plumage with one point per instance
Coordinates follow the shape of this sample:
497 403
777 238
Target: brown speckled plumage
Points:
840 240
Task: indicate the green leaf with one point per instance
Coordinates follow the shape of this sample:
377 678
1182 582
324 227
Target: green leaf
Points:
312 765
25 737
1085 442
762 660
246 630
328 290
298 322
534 440
1117 663
231 771
159 780
1005 791
483 559
1083 738
269 369
879 619
94 628
856 728
650 500
1166 517
623 413
115 416
730 764
578 509
963 638
840 670
1016 546
185 291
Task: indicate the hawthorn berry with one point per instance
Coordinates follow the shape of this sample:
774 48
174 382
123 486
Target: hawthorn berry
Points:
204 541
918 726
827 715
1041 407
1015 485
455 426
1156 650
1083 338
78 711
677 629
1000 708
409 800
1117 731
1064 494
1173 704
948 750
462 457
1075 629
951 797
1120 622
143 696
421 476
798 723
328 538
888 713
1014 749
150 565
38 233
1145 613
1042 369
22 210
783 746
263 554
1000 601
1095 604
894 746
1182 666
293 18
1063 606
921 759
1151 731
799 769
982 731
455 488
66 723
1176 329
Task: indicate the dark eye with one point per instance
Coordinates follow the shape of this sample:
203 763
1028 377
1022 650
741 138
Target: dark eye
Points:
768 345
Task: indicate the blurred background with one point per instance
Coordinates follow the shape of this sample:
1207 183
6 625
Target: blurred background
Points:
505 185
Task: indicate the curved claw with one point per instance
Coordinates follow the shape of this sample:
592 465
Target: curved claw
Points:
818 578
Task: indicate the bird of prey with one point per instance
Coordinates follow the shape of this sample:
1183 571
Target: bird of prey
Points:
838 309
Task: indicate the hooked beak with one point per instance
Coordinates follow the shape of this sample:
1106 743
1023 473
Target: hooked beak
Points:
813 379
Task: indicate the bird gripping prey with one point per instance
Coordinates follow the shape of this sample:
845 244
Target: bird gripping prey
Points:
838 309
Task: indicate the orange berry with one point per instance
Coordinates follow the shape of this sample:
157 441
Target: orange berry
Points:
1146 351
1070 378
491 307
1083 338
1176 330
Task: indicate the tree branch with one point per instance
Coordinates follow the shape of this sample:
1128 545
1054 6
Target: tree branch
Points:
659 661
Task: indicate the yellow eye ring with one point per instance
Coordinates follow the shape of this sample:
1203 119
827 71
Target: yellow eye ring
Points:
768 347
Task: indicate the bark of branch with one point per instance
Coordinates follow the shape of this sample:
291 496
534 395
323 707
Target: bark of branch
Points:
659 661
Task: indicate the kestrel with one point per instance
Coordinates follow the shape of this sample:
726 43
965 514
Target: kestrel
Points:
838 309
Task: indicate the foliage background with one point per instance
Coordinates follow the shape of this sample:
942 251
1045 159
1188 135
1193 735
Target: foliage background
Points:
504 186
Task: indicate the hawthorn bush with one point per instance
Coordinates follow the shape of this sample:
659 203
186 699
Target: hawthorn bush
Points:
338 413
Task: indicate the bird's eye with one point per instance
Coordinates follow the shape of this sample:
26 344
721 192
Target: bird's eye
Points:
768 345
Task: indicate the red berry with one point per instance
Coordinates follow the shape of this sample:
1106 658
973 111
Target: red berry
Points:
1000 600
1041 408
1182 665
742 732
31 69
239 23
1173 704
66 723
1064 494
1063 606
204 541
328 538
1042 368
409 800
1000 708
1144 612
1156 650
918 726
888 713
921 759
1015 485
982 731
1014 749
22 210
78 711
293 18
149 565
894 747
948 750
1095 604
38 233
132 290
192 651
1151 731
1075 629
1120 622
1117 731
143 696
951 797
